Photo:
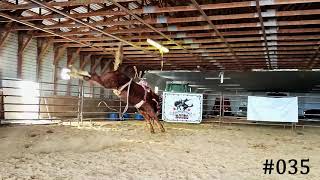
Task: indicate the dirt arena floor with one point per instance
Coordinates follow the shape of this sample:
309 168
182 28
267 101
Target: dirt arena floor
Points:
126 150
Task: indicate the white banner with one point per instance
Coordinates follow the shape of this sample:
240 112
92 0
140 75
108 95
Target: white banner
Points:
182 107
284 109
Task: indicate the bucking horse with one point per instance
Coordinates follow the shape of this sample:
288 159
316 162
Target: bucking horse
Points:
145 100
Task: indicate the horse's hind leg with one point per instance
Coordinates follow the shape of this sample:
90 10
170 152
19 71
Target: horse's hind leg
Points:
156 119
148 120
159 124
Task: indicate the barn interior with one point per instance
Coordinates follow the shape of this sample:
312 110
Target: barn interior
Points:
260 46
225 50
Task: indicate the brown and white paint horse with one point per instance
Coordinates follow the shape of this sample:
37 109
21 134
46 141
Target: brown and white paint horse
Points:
147 104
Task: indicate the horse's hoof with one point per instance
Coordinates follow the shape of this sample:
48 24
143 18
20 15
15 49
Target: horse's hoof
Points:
162 130
152 132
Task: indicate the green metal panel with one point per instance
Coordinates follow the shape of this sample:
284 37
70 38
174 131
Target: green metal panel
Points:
176 87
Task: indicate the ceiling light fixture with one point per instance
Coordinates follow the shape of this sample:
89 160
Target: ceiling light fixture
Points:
195 85
161 48
217 78
234 88
203 88
229 85
276 70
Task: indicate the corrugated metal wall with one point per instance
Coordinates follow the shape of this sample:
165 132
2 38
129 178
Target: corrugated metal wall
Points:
30 61
9 57
9 60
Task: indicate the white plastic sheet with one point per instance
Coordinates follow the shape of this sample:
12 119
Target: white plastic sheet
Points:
284 109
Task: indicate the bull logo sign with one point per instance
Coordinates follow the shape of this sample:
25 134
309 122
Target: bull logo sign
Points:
182 107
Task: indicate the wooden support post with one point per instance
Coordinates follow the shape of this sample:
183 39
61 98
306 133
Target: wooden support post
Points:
58 53
73 56
94 64
106 67
69 61
39 48
97 62
102 91
91 85
20 55
42 47
23 41
86 60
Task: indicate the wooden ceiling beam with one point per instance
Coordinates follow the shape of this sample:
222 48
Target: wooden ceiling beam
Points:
194 35
188 28
214 6
261 20
217 50
94 28
234 42
220 46
4 6
169 20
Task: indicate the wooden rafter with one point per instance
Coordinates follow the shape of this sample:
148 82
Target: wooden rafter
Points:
5 34
5 6
169 20
263 33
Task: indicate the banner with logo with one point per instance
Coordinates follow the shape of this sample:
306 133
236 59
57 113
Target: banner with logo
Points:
182 107
284 109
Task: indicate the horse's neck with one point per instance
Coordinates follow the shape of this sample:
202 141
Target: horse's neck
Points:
117 83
